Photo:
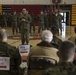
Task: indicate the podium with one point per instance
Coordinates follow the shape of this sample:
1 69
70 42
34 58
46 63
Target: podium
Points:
24 51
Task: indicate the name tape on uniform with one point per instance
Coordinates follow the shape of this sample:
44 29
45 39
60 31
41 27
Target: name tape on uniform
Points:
24 48
4 63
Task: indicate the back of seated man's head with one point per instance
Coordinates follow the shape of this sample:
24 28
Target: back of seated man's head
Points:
3 35
47 36
66 51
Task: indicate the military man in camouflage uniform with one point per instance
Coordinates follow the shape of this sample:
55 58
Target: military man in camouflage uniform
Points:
14 23
40 21
7 50
47 20
4 20
57 21
25 20
66 55
32 23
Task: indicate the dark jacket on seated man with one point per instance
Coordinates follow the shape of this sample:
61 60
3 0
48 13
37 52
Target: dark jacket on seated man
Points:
12 53
15 58
56 42
65 65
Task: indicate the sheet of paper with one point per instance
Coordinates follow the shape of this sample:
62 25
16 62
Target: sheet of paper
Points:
24 48
4 63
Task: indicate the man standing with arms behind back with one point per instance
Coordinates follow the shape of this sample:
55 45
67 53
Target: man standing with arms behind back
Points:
25 20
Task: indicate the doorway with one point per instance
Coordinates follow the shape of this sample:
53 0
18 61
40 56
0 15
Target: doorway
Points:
66 29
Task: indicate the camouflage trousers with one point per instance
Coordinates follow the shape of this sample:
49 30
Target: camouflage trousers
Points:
25 36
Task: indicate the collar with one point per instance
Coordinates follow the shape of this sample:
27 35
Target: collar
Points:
45 44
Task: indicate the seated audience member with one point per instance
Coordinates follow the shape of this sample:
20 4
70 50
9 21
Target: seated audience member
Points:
11 52
73 37
43 49
56 41
65 65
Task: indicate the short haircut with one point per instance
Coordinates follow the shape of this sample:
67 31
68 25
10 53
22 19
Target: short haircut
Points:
3 33
66 50
47 36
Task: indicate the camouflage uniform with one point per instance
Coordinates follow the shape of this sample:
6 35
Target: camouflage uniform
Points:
32 23
62 69
9 19
4 20
57 21
47 21
15 58
18 22
41 22
25 27
14 23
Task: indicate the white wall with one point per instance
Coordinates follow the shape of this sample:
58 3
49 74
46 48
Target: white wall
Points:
69 1
35 2
6 1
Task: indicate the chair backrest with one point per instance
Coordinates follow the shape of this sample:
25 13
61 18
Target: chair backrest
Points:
41 63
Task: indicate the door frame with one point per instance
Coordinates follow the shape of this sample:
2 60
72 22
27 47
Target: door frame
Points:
61 11
69 18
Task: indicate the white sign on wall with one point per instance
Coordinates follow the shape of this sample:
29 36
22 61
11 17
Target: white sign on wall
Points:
4 63
24 48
